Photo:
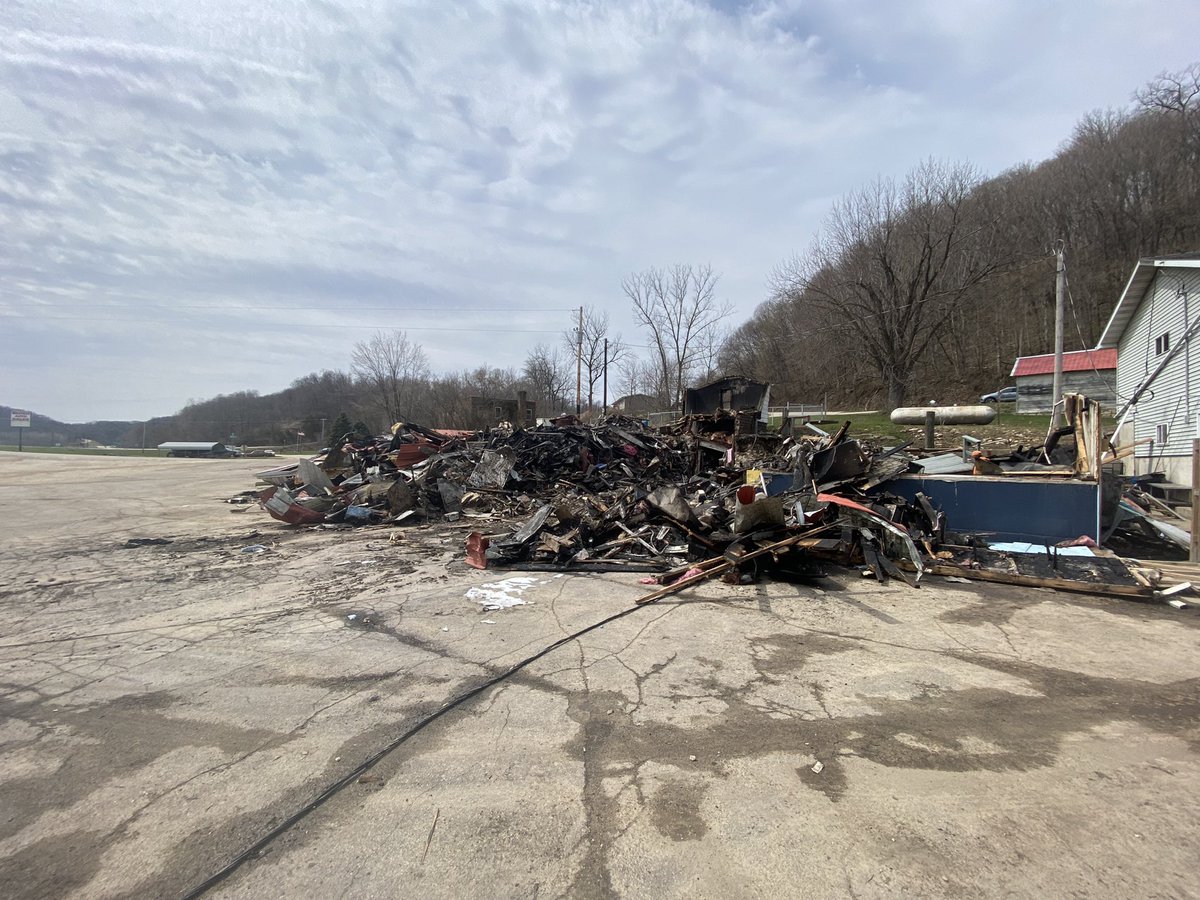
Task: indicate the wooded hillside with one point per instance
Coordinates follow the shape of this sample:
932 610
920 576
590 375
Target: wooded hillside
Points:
929 288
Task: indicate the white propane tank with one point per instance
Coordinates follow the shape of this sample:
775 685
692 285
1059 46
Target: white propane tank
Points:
944 415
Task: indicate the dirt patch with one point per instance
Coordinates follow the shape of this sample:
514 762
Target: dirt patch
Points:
780 654
134 730
675 810
54 866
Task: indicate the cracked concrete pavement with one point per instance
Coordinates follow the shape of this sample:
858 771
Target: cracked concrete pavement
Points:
162 706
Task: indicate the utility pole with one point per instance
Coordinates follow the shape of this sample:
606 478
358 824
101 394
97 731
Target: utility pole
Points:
1060 295
323 431
579 365
143 439
606 376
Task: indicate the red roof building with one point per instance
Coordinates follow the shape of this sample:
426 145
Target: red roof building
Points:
1075 361
1090 372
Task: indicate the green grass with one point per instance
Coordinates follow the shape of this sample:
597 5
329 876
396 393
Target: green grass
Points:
86 451
1007 427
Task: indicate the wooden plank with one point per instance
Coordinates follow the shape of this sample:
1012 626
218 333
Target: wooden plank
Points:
1126 591
1058 472
1164 507
1194 554
637 537
716 570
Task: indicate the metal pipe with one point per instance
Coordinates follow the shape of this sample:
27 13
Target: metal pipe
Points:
579 365
1060 292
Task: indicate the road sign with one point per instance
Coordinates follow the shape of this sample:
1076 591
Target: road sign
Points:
19 418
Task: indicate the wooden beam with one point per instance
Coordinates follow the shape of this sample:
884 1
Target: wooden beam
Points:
724 566
1194 555
1125 591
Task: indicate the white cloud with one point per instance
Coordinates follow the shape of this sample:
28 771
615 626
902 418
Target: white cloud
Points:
168 171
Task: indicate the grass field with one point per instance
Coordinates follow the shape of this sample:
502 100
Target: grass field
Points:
880 427
1007 428
86 451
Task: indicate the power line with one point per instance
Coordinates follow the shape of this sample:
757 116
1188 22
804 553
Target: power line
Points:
1083 345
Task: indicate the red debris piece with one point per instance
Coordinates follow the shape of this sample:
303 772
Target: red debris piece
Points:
477 545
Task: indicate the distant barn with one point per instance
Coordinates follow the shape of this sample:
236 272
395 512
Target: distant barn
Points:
1090 372
199 449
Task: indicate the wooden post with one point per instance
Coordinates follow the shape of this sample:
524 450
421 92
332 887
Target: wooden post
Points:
1060 292
606 376
579 365
1194 556
929 419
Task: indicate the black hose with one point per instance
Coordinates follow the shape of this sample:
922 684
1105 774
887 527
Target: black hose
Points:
261 844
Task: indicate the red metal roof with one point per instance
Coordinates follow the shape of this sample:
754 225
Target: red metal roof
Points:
1076 361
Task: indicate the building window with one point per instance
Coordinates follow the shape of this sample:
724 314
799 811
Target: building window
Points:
1162 344
1161 433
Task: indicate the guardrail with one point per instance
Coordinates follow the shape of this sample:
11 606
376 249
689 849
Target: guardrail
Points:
658 419
799 410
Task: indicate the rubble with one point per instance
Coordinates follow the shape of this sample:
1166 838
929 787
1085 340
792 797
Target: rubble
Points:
712 495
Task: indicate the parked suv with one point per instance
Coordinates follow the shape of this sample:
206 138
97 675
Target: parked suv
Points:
1004 395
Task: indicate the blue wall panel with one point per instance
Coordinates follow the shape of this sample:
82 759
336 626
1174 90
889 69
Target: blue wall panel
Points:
1010 508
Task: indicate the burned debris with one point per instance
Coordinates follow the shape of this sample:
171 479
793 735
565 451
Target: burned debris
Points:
713 495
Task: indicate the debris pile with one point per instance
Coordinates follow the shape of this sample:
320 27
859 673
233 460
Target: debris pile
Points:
712 495
710 489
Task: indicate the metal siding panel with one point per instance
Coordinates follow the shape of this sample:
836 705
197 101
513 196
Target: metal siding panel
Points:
1162 314
1011 508
1033 393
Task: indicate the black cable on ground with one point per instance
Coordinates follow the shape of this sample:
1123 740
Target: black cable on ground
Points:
346 780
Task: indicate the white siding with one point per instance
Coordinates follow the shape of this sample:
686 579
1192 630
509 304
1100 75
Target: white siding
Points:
1034 392
1162 312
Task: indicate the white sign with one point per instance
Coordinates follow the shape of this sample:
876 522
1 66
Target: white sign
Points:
20 419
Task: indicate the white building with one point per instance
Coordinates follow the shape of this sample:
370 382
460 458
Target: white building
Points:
1156 330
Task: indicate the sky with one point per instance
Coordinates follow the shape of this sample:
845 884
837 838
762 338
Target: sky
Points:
202 198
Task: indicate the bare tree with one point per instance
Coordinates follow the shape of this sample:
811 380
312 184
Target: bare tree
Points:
638 377
893 261
548 375
1172 91
394 369
596 331
680 310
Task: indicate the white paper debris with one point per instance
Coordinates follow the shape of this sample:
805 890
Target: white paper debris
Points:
502 594
1025 547
817 767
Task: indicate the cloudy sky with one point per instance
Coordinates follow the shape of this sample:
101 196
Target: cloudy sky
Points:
204 197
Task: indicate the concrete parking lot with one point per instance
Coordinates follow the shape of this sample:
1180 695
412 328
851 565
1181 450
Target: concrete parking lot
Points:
164 706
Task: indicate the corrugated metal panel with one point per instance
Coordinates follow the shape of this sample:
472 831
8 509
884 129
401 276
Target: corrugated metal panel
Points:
1075 361
1034 392
1162 312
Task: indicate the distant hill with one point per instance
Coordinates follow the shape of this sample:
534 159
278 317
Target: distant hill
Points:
47 432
